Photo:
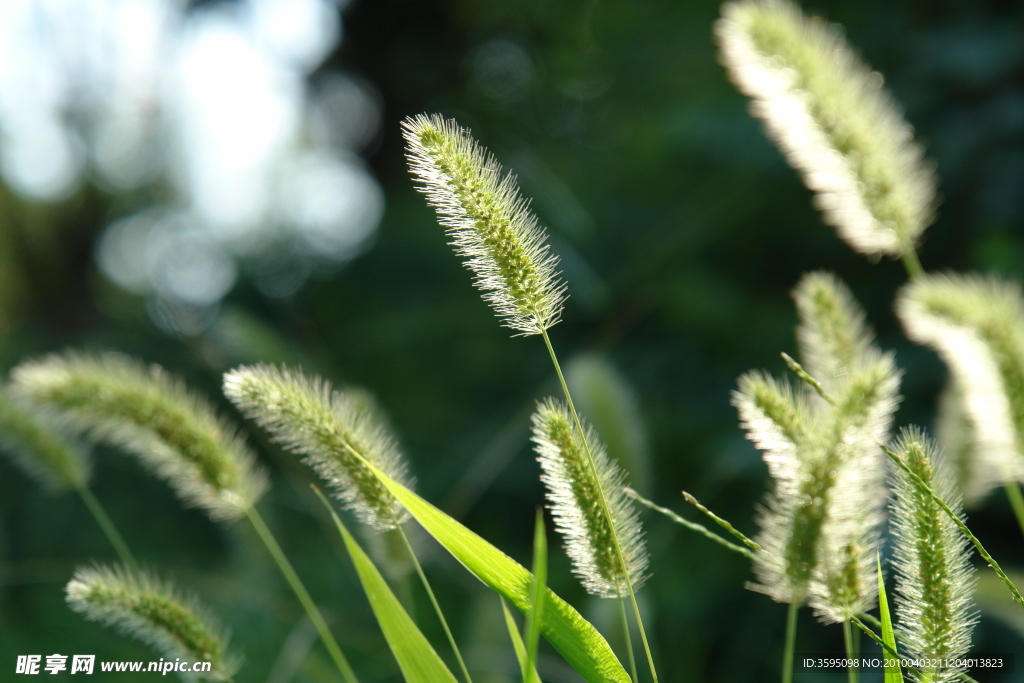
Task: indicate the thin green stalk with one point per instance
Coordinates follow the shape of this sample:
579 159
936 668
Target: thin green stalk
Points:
959 522
851 671
107 524
787 654
912 264
692 526
692 500
604 503
805 376
629 641
302 594
888 651
538 593
433 601
1016 502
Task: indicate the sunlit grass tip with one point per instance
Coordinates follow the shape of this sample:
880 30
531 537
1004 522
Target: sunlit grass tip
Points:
833 336
934 576
141 606
833 120
36 442
976 325
593 535
336 431
489 222
117 400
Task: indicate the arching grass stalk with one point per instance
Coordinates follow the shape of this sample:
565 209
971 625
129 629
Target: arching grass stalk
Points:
302 594
99 513
604 503
692 526
337 433
851 652
35 439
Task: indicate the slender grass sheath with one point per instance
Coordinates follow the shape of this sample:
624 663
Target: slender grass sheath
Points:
139 605
117 400
836 125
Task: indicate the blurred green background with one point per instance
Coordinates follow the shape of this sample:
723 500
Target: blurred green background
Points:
681 232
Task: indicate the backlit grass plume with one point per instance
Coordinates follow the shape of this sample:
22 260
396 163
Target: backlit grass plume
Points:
976 325
117 400
820 527
488 221
141 606
831 117
39 448
934 577
336 431
594 534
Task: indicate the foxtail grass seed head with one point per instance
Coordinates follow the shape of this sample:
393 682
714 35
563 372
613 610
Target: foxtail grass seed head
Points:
489 222
139 605
820 527
593 534
116 400
337 432
831 117
36 442
954 436
976 325
833 336
934 576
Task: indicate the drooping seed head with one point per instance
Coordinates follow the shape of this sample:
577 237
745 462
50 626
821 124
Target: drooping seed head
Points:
831 117
489 222
337 432
934 576
116 400
139 605
36 442
976 325
591 511
833 336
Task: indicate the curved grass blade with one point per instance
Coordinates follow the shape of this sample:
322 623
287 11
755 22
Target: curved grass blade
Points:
537 595
416 657
893 674
574 637
529 672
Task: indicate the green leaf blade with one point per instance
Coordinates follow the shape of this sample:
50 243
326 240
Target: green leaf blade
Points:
416 657
893 674
574 637
517 643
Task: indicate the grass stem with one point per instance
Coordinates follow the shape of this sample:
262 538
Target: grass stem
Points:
851 652
593 469
736 533
107 525
433 601
692 526
302 594
629 641
912 264
787 654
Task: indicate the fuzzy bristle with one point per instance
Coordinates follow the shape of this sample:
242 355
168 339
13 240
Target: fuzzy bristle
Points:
831 117
934 576
489 222
116 400
598 521
138 605
976 325
337 432
36 442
